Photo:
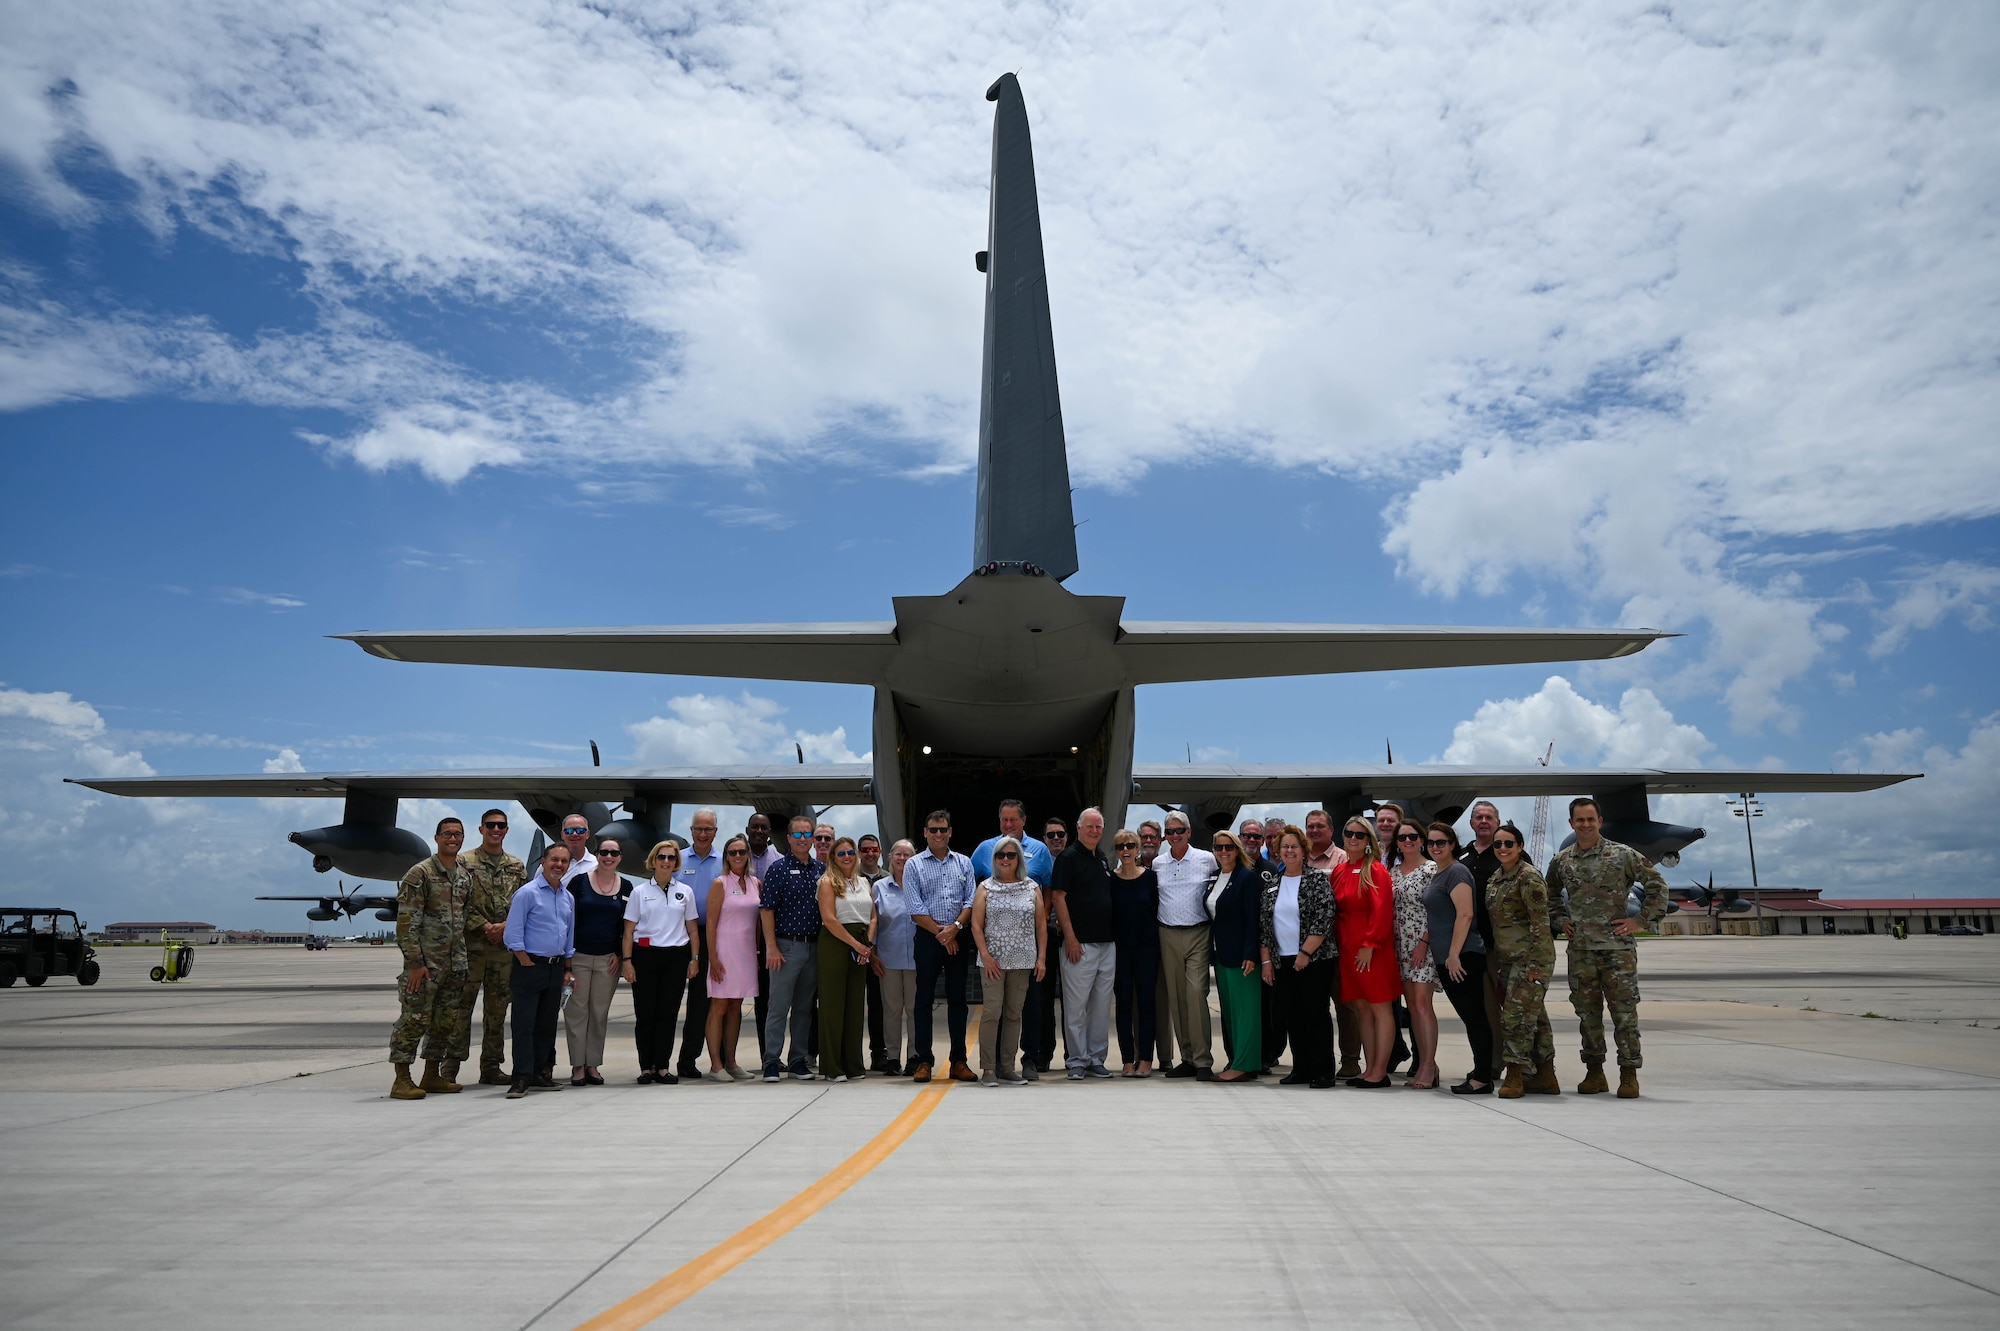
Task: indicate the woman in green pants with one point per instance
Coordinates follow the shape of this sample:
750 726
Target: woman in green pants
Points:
846 946
1234 935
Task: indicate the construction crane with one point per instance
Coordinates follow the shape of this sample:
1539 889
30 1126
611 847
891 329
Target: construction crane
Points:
1538 837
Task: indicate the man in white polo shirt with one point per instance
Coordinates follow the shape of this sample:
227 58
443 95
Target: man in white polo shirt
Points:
1186 872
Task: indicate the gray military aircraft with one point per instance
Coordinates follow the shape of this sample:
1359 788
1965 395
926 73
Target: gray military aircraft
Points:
1006 685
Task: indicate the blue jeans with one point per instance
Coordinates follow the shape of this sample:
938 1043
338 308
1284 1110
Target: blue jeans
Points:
932 958
794 985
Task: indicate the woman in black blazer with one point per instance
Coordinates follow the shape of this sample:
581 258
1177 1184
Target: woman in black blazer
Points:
1296 921
1236 936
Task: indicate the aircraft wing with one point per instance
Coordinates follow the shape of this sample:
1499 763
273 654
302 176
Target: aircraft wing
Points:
818 783
1280 783
826 653
1171 653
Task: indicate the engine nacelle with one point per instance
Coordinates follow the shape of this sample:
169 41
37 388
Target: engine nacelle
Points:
323 914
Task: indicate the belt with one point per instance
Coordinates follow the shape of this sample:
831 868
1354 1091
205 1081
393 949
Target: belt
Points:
1198 925
547 961
647 942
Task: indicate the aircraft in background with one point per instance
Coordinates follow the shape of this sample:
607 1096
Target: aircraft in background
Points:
1006 685
332 907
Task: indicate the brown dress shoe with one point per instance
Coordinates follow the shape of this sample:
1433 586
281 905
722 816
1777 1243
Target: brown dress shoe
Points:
923 1072
1593 1082
403 1088
960 1072
1543 1082
1510 1085
1628 1083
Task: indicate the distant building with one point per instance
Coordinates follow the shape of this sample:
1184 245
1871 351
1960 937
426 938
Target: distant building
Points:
148 931
260 936
1802 911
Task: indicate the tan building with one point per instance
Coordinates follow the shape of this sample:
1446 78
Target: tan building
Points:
1802 911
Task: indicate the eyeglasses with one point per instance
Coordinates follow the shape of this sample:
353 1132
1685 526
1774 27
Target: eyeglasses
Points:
1177 831
1352 835
1409 836
1006 854
1505 844
937 831
663 855
603 854
801 836
576 831
1251 836
843 854
501 826
823 836
1053 835
449 833
1438 841
736 850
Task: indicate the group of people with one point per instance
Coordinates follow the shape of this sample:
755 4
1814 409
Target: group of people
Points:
1329 946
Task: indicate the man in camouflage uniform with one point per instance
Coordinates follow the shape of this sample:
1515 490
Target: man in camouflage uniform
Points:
1524 954
495 876
1590 888
430 929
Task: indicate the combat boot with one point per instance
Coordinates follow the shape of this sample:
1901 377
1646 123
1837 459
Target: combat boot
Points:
404 1088
1593 1082
1544 1082
1510 1085
492 1077
436 1082
1628 1083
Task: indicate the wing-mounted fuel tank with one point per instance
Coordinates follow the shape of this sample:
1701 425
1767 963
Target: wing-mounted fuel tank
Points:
366 841
1629 820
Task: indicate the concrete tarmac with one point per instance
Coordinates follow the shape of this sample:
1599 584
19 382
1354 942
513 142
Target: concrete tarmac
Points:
222 1152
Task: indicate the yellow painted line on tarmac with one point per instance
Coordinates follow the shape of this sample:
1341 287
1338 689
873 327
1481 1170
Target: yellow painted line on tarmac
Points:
693 1277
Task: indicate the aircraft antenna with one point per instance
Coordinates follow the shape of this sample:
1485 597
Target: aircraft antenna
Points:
1538 839
800 749
595 761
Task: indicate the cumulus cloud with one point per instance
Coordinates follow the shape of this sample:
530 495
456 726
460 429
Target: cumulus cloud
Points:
711 730
1516 732
1637 286
1955 588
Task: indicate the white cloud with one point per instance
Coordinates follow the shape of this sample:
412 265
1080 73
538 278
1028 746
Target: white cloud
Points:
244 596
1929 597
714 731
1515 732
443 442
286 760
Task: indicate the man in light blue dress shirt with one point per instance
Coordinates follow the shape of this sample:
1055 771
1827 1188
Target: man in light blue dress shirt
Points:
540 932
941 884
700 862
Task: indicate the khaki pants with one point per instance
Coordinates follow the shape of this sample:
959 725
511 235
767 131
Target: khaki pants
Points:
899 994
1184 957
1000 1021
589 1010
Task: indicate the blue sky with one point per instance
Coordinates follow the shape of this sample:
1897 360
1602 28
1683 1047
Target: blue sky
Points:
310 324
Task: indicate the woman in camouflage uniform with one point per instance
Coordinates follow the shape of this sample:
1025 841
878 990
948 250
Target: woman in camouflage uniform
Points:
1524 953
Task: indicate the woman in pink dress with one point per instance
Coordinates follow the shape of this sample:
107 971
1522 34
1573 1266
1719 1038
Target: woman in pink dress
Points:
1364 918
732 957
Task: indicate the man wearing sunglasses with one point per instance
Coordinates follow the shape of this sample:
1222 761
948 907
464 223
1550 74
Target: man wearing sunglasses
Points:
1590 892
940 883
789 911
1045 994
1186 872
700 862
496 876
576 840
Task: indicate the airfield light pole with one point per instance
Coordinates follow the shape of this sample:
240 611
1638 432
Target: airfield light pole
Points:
1746 807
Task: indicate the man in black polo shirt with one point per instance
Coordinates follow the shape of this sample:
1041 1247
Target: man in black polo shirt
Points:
1082 889
789 910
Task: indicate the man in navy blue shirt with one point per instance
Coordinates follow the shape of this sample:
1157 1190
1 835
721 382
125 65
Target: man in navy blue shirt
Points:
789 910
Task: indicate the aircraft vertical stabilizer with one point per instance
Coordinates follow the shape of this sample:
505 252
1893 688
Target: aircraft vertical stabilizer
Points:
1023 506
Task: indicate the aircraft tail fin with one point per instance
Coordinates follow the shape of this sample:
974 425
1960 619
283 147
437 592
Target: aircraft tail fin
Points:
1024 514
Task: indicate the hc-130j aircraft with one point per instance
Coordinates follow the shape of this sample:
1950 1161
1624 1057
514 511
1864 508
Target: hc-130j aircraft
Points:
1006 685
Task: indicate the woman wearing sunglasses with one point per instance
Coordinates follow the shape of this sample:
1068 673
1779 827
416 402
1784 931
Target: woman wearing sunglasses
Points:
1458 953
732 957
1295 921
662 922
1010 929
895 963
1410 872
1524 955
1135 987
1235 903
601 894
1364 906
846 947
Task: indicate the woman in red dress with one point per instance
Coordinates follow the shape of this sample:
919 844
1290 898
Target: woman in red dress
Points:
1364 904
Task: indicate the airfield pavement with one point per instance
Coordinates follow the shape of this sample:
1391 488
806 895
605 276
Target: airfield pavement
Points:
223 1153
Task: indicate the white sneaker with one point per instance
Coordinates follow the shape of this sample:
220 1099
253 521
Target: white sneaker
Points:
842 1077
713 1075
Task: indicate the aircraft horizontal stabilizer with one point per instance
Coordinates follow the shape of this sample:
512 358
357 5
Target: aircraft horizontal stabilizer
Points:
824 653
1169 653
